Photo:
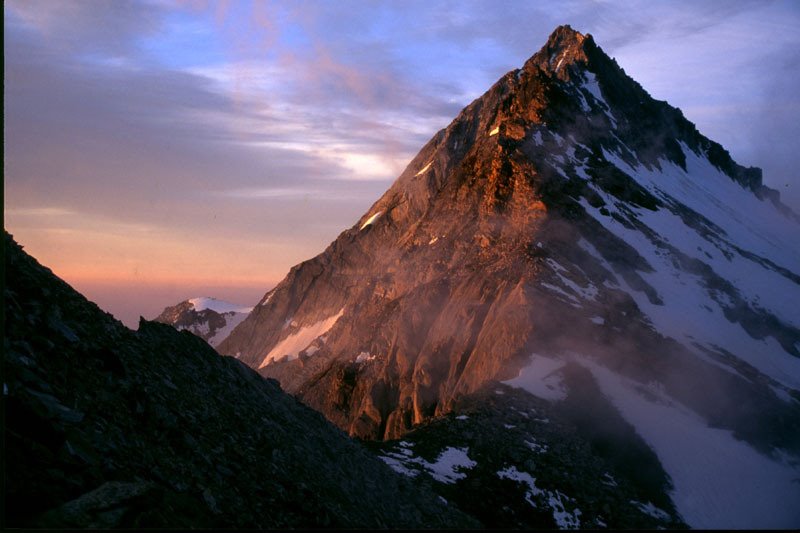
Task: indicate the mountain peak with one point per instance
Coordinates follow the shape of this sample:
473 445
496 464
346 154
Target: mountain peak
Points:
565 46
565 36
564 214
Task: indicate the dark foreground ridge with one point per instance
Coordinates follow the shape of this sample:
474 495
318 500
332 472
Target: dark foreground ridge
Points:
107 427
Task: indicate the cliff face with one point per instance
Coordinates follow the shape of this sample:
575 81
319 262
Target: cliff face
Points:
106 427
522 227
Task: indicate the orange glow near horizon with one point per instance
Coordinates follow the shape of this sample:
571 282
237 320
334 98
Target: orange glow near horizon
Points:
89 249
135 277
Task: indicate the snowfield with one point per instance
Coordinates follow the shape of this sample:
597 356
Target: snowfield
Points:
692 312
293 344
719 481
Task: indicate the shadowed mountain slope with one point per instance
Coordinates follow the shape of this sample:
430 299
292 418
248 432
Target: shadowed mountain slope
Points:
107 427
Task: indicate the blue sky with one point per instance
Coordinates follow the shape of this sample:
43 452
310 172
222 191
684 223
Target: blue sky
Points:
177 147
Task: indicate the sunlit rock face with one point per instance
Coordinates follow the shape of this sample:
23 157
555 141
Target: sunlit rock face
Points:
564 216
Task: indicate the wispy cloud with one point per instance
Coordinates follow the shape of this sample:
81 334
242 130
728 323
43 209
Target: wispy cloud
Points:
333 195
237 123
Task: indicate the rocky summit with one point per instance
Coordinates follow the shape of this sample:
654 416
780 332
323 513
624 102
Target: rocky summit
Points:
210 319
110 428
565 218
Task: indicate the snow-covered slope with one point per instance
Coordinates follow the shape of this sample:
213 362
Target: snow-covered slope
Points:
721 261
211 319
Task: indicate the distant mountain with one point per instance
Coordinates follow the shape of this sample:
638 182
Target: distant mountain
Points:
565 218
210 319
110 428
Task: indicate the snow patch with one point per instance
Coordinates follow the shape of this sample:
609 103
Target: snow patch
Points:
587 293
292 345
555 288
448 467
399 466
593 87
554 499
231 321
371 219
424 169
651 510
609 480
564 519
522 477
536 447
541 378
598 320
494 131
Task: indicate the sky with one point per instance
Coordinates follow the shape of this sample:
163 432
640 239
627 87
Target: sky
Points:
161 150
